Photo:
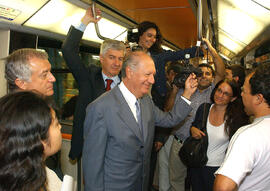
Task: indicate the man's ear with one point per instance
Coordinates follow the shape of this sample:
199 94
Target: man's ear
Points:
21 84
259 99
129 72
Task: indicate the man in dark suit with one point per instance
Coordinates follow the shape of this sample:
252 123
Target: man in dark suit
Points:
92 81
119 128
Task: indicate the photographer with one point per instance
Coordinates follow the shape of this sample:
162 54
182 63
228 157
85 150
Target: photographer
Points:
177 171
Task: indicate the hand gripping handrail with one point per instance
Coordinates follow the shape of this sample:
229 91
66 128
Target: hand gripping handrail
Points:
96 24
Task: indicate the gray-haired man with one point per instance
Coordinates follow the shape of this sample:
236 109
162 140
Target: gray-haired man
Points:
29 69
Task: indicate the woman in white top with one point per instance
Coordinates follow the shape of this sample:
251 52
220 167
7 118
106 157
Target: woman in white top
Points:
225 116
29 133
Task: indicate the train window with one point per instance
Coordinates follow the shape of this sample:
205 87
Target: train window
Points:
65 86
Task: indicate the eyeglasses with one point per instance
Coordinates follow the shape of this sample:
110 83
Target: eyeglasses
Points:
227 94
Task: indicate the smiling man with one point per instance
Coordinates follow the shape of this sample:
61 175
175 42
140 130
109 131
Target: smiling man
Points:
29 69
119 128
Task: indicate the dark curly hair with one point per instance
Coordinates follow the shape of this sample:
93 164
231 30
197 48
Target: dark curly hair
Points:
260 81
238 70
144 26
235 116
208 66
24 121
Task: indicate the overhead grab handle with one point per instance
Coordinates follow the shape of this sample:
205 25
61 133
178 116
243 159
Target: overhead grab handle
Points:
199 20
96 24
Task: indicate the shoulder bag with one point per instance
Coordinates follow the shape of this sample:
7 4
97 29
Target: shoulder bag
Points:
193 153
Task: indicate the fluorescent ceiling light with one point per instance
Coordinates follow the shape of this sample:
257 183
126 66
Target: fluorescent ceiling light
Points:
240 22
229 43
57 16
255 9
18 11
265 3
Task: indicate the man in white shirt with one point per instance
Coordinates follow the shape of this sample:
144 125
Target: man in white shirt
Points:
247 162
119 128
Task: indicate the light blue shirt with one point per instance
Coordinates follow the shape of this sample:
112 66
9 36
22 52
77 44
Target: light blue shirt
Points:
116 80
80 26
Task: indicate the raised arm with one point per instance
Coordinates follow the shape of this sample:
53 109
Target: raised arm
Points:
70 49
82 75
218 62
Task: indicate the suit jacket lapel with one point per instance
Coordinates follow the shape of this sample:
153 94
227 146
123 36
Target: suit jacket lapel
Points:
125 113
99 81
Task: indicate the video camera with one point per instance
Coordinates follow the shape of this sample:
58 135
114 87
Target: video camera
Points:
185 71
132 38
133 35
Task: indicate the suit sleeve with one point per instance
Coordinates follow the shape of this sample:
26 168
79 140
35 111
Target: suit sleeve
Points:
179 112
95 141
70 50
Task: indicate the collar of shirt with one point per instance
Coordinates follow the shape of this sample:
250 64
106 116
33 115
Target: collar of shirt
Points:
262 117
130 98
115 79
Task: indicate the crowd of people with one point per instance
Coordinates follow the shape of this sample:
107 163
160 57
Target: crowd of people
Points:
119 111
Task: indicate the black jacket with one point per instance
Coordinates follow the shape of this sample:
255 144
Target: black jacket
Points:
90 84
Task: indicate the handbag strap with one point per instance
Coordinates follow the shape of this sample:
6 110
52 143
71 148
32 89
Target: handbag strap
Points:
205 114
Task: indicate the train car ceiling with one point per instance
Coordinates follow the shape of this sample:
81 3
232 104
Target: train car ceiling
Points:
56 16
234 25
239 23
175 18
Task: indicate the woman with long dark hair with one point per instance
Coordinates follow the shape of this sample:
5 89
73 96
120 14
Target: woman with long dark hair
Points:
149 37
29 132
225 116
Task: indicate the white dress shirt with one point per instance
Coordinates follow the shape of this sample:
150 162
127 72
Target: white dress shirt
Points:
130 99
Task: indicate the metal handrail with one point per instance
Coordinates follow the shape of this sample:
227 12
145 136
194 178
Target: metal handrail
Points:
96 24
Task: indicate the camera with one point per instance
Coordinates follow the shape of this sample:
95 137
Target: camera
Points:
133 35
134 46
184 72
